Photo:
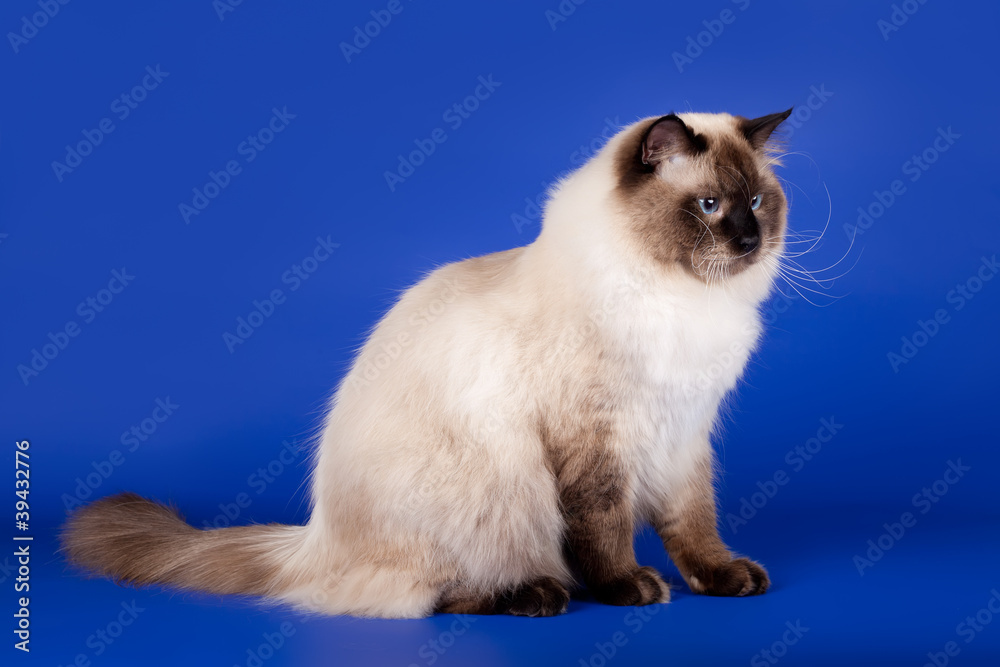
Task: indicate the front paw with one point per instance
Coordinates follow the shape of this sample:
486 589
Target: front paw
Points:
640 587
542 597
738 577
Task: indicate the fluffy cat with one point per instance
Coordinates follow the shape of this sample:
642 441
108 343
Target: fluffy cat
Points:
514 417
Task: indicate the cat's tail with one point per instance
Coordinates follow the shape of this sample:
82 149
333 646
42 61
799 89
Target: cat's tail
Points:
140 542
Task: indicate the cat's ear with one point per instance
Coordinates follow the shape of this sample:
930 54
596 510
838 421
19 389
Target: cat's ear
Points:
758 130
668 139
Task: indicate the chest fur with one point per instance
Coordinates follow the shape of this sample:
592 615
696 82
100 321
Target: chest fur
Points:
683 359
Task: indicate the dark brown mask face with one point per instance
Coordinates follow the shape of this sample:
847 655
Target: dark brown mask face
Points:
707 200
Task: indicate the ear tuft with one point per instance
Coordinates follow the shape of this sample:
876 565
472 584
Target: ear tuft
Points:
669 138
758 130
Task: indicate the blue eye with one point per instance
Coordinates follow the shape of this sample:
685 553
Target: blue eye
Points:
709 205
755 202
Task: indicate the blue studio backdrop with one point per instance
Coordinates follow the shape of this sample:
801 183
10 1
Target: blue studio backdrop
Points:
205 205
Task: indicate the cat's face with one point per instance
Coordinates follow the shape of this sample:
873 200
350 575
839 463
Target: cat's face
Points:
699 192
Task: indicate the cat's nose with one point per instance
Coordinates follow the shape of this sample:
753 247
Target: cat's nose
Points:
749 242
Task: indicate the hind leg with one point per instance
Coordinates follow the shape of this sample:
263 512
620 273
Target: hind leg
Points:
541 597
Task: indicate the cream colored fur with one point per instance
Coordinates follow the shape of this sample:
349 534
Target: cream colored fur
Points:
431 469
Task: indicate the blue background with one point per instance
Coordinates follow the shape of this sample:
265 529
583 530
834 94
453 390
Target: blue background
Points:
561 82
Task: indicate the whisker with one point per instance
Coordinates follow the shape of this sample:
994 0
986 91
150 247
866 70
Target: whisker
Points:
796 286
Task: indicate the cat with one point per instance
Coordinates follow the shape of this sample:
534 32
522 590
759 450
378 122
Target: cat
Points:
514 418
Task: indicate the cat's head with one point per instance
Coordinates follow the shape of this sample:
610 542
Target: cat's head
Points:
699 191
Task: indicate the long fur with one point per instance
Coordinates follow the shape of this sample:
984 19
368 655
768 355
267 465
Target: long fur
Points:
432 472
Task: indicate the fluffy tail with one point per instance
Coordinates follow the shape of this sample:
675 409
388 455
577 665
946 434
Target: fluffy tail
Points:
141 543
